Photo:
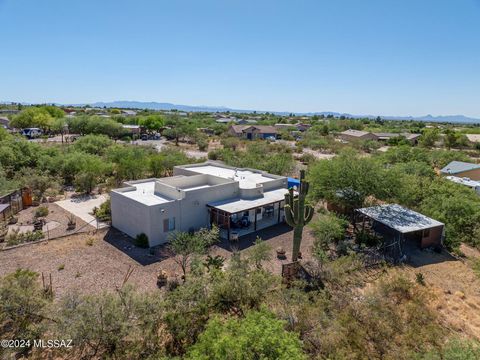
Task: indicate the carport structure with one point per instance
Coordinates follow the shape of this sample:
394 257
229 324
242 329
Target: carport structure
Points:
400 227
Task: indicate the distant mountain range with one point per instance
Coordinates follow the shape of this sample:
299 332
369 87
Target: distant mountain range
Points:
189 108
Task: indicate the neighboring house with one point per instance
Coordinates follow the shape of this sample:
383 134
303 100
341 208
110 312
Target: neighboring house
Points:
133 129
355 135
9 111
401 228
473 138
246 122
295 127
4 122
238 201
463 170
129 112
412 138
252 132
472 184
227 120
303 127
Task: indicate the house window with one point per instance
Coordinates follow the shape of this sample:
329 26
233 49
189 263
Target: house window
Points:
259 210
168 224
426 233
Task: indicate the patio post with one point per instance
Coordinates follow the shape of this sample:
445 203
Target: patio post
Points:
255 225
279 205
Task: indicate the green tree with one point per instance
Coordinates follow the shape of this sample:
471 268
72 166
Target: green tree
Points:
152 123
185 245
33 117
257 336
22 305
429 137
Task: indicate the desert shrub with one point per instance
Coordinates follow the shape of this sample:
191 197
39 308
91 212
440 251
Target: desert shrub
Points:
17 238
142 241
257 336
385 323
104 211
41 211
22 305
121 325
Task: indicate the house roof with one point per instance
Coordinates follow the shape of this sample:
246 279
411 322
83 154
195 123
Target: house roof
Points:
473 137
4 207
464 181
262 129
407 136
456 167
357 133
399 218
236 205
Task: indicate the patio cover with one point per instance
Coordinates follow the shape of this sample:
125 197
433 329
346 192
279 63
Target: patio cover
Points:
399 218
237 205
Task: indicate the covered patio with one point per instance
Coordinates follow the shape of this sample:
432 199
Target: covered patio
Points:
239 217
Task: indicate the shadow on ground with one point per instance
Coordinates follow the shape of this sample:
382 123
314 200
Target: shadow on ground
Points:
248 240
421 257
125 244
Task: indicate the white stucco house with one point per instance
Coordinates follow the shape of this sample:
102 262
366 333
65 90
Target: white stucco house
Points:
238 201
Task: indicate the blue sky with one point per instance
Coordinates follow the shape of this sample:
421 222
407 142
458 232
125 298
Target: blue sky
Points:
387 57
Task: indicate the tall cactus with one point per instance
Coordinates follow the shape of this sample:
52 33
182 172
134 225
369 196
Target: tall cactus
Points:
297 213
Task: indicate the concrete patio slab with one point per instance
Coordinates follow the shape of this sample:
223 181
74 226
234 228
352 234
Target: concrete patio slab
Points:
82 207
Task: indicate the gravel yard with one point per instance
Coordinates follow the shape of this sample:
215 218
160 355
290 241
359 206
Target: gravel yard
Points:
77 263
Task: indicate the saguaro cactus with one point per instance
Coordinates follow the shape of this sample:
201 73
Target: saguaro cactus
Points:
297 213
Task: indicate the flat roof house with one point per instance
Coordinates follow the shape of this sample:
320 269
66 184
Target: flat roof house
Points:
238 201
352 135
252 132
412 138
462 169
472 184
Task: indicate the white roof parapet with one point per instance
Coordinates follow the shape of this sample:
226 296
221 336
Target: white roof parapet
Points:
237 205
399 218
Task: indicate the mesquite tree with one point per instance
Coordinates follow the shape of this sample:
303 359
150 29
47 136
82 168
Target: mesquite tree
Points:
297 213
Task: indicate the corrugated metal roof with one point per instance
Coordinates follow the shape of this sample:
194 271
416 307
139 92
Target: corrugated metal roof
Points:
456 167
399 218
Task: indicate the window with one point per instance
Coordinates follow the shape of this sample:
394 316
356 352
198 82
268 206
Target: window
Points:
259 210
426 233
168 224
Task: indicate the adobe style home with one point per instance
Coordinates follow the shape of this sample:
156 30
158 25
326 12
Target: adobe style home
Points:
463 170
238 201
253 132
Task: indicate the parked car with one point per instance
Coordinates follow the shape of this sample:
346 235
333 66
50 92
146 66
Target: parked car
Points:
144 137
32 133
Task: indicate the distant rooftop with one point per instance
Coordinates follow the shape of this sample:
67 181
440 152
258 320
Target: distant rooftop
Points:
352 132
456 167
465 181
473 137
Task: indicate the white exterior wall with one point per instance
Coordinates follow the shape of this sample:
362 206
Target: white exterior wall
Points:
130 216
190 212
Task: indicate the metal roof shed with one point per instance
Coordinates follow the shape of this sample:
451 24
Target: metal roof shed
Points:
404 224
